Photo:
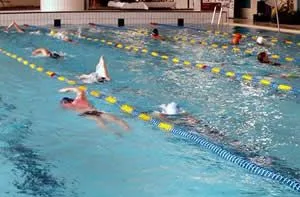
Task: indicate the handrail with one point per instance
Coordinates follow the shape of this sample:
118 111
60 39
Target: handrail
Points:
220 15
277 18
213 16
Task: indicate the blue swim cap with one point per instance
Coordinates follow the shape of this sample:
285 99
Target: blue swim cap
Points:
66 100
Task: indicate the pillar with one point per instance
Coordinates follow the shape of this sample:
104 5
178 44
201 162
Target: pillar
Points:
62 5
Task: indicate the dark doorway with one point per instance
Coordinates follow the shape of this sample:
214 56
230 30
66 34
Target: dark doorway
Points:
102 2
238 5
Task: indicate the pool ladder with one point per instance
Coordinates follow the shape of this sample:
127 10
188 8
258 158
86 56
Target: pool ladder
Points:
214 14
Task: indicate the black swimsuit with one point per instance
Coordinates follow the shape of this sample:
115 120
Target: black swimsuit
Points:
91 113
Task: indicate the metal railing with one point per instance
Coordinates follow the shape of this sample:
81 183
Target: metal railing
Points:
214 14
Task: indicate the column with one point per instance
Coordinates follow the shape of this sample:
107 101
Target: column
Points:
62 5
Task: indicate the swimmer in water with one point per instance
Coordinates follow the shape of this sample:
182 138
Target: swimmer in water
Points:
46 53
16 26
99 76
174 114
155 35
263 58
288 76
236 39
260 40
81 105
61 35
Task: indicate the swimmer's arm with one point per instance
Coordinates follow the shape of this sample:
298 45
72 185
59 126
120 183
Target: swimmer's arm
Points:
18 28
37 51
79 93
84 76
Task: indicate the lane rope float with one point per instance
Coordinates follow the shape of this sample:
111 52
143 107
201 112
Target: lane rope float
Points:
166 127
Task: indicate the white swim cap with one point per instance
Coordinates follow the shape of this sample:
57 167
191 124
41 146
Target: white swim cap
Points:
170 109
260 40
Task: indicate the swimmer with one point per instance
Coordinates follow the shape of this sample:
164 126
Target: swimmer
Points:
288 76
61 36
260 40
263 57
155 35
16 26
46 53
100 75
236 39
173 114
81 105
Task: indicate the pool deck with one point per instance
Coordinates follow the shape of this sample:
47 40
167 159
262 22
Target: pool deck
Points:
294 29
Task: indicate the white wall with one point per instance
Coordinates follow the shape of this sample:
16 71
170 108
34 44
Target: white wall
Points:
181 4
197 5
62 5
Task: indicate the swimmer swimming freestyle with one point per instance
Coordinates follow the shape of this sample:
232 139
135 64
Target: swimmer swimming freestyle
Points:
99 76
81 105
46 53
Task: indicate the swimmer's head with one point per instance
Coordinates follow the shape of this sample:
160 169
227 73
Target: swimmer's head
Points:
235 40
155 32
260 40
66 101
238 35
262 57
53 32
170 109
54 55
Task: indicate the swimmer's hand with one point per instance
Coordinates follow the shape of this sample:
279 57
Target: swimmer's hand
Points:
67 90
63 90
73 89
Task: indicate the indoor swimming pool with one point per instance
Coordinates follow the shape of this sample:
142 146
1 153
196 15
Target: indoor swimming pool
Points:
243 106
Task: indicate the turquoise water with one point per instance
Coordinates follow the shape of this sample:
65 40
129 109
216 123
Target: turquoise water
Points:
47 151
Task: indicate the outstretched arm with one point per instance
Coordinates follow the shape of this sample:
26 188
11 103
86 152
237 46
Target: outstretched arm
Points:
79 93
18 28
43 51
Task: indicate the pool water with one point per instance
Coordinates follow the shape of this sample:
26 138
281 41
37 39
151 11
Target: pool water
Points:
48 151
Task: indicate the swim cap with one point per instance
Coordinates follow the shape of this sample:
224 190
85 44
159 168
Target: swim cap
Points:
155 31
54 55
260 40
66 100
170 109
261 56
53 32
238 35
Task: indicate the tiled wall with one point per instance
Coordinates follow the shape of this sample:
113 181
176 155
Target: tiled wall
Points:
108 17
